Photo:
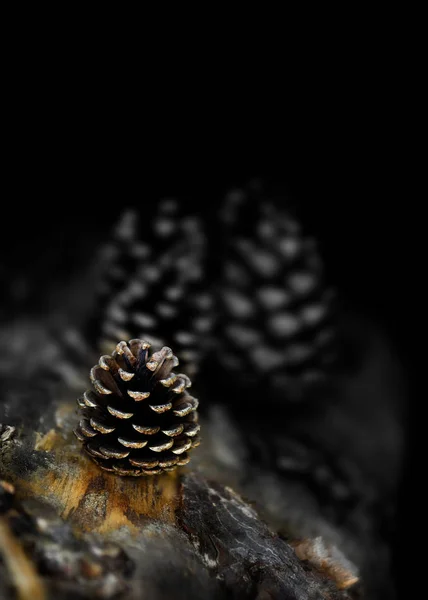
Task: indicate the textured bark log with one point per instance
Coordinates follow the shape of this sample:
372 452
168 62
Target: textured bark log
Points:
76 531
241 550
72 519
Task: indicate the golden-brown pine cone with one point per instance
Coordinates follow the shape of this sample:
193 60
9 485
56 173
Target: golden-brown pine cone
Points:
140 418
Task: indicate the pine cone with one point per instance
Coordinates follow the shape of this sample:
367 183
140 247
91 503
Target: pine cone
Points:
275 313
140 420
154 284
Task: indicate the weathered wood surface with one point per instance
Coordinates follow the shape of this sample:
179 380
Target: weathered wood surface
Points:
272 506
181 518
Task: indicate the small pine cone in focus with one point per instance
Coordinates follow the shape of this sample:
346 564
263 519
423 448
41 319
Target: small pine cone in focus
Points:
276 317
154 284
139 419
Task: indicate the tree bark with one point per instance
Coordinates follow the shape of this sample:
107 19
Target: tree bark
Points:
265 509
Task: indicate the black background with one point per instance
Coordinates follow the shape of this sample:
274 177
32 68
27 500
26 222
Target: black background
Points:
346 183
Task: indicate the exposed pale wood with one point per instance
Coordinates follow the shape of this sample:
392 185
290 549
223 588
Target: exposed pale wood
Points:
27 582
92 499
328 561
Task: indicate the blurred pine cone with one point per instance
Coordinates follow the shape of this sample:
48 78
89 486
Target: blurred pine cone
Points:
153 286
258 298
276 317
140 420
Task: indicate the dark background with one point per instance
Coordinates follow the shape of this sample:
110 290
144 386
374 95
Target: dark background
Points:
346 185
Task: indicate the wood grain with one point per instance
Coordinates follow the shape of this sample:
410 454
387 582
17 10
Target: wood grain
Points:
91 499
